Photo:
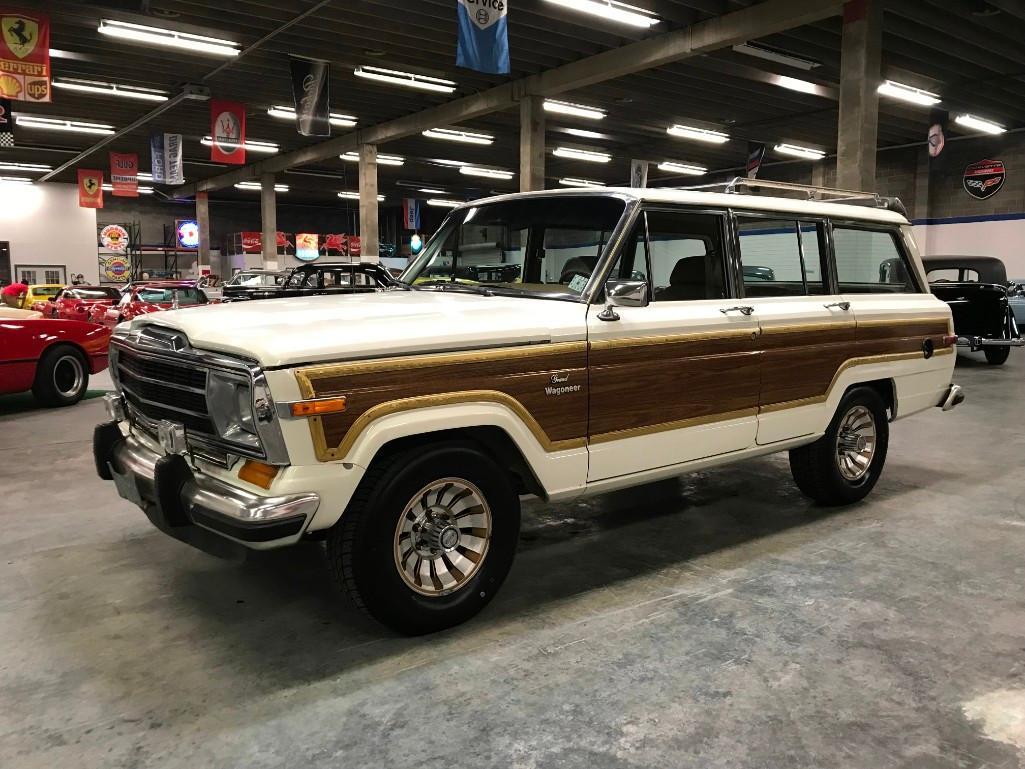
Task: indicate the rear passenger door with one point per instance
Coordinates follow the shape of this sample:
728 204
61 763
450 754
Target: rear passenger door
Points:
806 331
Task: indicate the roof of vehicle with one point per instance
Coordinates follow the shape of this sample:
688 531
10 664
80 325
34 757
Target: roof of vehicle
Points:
990 269
720 200
259 271
33 286
164 284
337 265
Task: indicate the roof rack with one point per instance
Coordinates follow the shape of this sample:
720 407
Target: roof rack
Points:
811 192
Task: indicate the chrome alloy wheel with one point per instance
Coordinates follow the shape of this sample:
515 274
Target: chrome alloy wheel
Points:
855 443
442 536
68 375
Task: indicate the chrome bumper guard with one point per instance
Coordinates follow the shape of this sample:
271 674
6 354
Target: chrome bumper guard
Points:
978 342
177 497
954 397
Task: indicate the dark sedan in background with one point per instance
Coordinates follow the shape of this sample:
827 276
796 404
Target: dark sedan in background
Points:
309 280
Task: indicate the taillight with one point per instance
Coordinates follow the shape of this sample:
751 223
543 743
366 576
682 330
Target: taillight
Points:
949 340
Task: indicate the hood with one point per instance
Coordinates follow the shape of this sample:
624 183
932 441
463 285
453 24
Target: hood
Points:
284 332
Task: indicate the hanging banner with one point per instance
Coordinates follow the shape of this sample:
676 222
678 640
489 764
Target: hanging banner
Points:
483 36
311 87
227 132
411 213
6 124
984 178
638 173
90 188
166 158
755 156
124 174
24 56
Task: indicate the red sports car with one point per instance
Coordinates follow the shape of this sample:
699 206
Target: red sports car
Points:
52 358
76 302
150 296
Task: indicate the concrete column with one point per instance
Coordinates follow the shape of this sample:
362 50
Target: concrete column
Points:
203 220
532 143
368 223
859 103
269 219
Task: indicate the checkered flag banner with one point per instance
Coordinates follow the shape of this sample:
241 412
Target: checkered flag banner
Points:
6 124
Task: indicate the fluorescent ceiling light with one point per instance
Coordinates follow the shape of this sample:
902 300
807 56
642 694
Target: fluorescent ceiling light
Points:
908 93
146 176
970 121
795 84
698 134
489 173
355 195
251 145
408 79
571 181
444 162
140 33
576 110
440 203
15 180
800 152
682 168
612 10
142 190
111 89
432 191
382 160
589 155
772 54
56 124
257 186
6 165
334 118
455 135
583 134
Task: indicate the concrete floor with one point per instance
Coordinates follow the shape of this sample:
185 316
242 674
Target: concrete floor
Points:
715 621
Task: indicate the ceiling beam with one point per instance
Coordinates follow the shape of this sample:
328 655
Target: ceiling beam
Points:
703 37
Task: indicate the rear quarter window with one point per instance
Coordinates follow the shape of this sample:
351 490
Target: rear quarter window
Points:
870 261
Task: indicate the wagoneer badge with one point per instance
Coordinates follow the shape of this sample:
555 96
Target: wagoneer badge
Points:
558 385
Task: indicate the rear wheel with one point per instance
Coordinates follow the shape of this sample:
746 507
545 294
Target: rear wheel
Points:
62 376
997 356
428 538
844 465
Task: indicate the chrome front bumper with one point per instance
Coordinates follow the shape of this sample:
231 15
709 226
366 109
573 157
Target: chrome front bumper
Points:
178 497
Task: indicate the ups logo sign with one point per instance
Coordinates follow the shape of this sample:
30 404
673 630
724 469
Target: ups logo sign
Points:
38 90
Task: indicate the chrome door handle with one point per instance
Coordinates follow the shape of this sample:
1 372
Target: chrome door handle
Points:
845 306
743 309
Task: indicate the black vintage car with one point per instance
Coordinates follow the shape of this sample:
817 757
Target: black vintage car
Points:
976 289
253 284
320 278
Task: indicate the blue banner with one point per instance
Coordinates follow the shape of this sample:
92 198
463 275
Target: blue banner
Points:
483 36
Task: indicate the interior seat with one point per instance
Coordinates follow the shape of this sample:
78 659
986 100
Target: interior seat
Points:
687 281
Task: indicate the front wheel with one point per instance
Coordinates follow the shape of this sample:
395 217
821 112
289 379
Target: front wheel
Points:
997 355
428 538
62 376
843 465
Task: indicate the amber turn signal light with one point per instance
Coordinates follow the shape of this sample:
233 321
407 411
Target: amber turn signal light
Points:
315 408
257 473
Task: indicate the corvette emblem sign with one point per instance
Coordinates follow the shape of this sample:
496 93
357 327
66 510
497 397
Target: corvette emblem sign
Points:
984 178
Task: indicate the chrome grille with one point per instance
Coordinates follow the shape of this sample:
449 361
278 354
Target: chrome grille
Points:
161 389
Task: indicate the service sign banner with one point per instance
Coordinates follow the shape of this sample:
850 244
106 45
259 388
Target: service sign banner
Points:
984 178
24 56
124 174
227 132
90 188
483 36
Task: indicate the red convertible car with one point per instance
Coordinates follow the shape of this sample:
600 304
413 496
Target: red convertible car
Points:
52 358
150 296
76 302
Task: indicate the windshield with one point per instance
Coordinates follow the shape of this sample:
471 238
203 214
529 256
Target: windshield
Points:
258 279
545 246
186 295
98 292
45 290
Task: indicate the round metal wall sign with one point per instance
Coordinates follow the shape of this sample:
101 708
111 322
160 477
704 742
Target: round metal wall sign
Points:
984 178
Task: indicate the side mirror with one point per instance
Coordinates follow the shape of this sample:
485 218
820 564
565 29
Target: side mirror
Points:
623 293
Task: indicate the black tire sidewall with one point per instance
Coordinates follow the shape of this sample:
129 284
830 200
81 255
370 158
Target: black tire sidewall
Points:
997 355
846 491
44 388
385 594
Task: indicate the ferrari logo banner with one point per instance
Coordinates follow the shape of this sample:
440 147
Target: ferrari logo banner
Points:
227 132
24 56
124 174
90 188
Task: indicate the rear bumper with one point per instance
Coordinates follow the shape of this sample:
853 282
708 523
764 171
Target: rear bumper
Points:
189 505
978 342
954 397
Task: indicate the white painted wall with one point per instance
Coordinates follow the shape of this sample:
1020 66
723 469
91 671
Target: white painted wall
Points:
45 225
1003 239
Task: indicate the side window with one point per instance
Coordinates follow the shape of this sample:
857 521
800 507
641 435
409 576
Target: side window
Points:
780 257
870 262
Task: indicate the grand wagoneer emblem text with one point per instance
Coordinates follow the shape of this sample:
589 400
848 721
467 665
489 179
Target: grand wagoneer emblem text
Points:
558 385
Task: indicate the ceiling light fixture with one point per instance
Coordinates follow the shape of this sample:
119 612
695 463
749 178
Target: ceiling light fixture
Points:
794 84
15 180
908 93
257 186
334 118
251 145
582 133
588 155
612 10
382 160
698 134
772 54
141 189
451 163
355 195
455 135
407 79
441 203
111 89
488 173
56 124
986 126
572 181
801 152
576 110
682 168
432 191
30 167
140 33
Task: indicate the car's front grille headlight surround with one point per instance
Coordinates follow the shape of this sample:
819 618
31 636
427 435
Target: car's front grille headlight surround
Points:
230 404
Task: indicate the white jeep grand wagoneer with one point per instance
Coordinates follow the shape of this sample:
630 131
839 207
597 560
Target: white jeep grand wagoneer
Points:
551 343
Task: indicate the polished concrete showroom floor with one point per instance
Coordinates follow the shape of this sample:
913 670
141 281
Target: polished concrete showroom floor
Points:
717 620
